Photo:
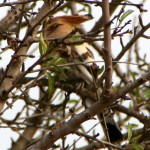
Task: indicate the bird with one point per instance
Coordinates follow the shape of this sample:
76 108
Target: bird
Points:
61 27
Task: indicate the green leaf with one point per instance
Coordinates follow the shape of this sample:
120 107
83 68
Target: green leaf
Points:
75 38
147 93
42 45
129 131
89 8
60 72
125 15
134 143
60 60
50 83
134 74
72 101
136 146
135 139
100 70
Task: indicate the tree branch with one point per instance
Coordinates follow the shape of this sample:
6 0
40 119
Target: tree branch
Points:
107 48
73 124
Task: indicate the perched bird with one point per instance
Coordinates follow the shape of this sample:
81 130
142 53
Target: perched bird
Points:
61 27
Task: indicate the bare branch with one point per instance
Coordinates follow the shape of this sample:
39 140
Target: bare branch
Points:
48 140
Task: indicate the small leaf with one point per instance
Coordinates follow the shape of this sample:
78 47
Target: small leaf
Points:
147 93
100 70
135 139
125 15
60 72
50 83
129 131
72 101
136 146
134 74
42 45
89 8
75 38
60 60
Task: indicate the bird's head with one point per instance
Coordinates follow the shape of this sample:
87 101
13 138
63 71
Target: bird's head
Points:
61 26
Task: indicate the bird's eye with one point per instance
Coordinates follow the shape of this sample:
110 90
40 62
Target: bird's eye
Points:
53 27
